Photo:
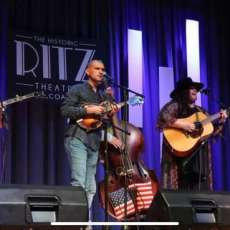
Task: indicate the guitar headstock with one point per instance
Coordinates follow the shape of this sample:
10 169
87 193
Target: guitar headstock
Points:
228 111
135 100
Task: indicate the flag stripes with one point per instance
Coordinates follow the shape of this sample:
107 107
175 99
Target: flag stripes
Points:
139 197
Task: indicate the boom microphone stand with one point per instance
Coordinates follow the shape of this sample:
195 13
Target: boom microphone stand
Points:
105 123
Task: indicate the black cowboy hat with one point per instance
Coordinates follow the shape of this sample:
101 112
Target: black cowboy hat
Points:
185 83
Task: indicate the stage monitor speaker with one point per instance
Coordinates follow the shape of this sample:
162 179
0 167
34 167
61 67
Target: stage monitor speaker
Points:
31 204
189 208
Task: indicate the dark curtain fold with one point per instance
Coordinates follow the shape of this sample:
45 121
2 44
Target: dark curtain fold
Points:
36 153
217 46
36 127
3 84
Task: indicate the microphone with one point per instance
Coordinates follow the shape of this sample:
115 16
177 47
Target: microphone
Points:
205 91
107 76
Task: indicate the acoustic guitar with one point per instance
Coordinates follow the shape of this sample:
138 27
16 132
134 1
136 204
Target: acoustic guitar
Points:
92 122
183 143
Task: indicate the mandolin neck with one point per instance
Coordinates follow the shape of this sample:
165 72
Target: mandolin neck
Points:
121 104
108 106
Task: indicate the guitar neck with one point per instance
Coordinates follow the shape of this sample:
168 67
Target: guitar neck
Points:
132 101
211 118
17 99
121 104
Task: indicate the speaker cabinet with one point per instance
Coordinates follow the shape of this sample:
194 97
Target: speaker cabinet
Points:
29 204
189 208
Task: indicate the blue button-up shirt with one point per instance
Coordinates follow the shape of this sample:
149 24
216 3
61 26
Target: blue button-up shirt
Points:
73 108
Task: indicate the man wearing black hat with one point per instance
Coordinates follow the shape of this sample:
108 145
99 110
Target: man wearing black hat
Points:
192 172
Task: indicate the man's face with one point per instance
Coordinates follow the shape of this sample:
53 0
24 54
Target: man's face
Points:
95 71
192 95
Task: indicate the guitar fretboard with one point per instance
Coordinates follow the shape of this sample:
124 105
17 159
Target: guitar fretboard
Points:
211 118
17 99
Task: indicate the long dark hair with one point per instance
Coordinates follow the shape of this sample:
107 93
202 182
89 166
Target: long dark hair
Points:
182 98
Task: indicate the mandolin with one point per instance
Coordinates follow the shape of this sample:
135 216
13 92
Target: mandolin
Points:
183 143
91 122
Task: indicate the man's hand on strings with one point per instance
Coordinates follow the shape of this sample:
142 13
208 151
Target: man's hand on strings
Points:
113 106
114 109
95 109
109 91
117 143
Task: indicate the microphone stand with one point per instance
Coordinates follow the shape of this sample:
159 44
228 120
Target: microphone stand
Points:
110 79
105 126
187 161
105 123
125 91
107 170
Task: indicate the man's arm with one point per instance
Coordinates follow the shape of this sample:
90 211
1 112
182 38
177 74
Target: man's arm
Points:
74 109
116 139
71 106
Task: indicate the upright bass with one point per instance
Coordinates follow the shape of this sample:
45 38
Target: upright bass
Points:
131 187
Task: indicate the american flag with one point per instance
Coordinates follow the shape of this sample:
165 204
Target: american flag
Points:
117 199
142 194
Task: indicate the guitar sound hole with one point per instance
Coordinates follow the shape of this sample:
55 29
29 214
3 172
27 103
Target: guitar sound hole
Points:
198 125
197 132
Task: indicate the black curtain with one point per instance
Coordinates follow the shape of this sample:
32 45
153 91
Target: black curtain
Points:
36 132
